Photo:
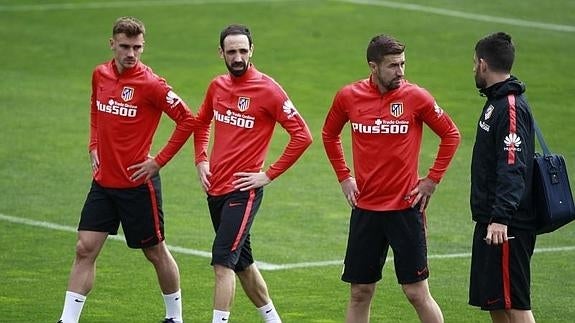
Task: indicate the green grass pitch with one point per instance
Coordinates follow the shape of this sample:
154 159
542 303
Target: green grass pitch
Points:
312 48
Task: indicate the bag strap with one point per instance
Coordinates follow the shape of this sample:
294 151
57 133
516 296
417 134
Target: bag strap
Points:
540 139
544 147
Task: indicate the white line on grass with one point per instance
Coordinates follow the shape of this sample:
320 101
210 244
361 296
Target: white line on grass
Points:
381 3
119 237
444 256
464 15
121 4
261 265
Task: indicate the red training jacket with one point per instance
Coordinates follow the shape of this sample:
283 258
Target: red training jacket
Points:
125 112
386 133
245 110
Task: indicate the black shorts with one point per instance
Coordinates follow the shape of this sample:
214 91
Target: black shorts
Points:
232 216
500 275
371 233
139 209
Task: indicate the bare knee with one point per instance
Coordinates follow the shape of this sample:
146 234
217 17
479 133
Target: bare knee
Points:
87 249
500 316
416 293
224 274
522 316
249 274
83 250
157 254
151 254
220 270
362 293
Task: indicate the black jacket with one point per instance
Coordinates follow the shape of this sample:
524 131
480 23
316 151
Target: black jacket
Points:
502 161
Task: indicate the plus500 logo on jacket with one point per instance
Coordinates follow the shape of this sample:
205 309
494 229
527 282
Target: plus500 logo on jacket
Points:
235 119
382 127
118 108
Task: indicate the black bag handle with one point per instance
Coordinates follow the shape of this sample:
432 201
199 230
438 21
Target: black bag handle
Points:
538 133
552 167
542 143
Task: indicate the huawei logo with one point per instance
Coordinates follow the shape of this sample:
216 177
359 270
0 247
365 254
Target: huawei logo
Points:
438 109
512 142
512 139
172 99
289 109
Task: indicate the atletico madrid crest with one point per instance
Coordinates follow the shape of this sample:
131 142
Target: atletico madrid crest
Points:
243 103
127 93
396 109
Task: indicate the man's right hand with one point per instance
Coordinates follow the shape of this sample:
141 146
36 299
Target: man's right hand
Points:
94 161
350 191
203 169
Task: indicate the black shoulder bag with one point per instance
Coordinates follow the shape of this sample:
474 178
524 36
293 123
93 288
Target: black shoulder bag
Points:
552 195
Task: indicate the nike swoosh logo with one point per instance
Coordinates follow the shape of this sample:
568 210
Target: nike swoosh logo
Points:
493 301
268 311
147 240
78 300
235 204
421 272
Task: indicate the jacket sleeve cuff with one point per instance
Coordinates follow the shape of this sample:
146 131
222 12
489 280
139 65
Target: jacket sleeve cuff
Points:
504 221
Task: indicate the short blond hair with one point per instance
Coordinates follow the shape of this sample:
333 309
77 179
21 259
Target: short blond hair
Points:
129 26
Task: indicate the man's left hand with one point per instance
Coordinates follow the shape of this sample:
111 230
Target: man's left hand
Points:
425 187
247 181
145 169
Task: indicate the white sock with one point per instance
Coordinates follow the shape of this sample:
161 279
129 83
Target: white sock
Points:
73 304
173 304
269 313
220 316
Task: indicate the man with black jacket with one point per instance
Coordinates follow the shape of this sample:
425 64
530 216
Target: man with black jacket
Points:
501 174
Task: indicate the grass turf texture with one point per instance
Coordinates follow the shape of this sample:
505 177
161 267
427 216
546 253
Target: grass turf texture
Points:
312 48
